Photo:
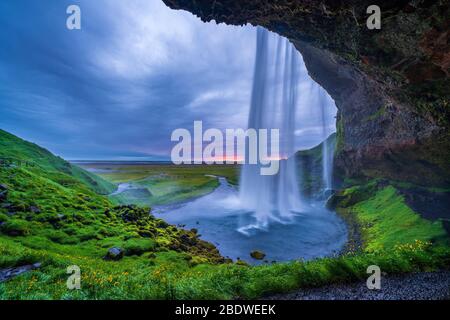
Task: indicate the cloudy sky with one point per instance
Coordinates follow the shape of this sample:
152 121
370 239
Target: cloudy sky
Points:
118 87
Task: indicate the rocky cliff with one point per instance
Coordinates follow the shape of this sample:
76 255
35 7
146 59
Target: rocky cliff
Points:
391 86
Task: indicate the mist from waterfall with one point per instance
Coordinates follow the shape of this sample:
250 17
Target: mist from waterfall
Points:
273 106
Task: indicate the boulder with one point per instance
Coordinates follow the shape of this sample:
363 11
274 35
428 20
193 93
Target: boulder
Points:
114 254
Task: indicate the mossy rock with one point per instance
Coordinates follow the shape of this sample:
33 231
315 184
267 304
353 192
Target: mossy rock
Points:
240 262
132 213
258 255
136 247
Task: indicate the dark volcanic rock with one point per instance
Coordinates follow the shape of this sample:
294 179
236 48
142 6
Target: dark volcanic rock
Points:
430 205
114 254
390 85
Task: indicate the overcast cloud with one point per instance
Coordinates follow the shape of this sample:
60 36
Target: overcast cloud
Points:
135 72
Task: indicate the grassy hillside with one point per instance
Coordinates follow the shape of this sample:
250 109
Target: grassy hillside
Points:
15 152
50 214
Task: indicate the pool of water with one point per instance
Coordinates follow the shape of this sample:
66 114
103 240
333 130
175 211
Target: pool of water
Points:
220 219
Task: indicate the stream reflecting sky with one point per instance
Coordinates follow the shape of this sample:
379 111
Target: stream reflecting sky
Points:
117 88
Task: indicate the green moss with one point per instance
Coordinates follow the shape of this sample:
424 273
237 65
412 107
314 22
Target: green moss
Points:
340 137
139 246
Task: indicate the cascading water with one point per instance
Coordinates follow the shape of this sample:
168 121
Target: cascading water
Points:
273 105
327 146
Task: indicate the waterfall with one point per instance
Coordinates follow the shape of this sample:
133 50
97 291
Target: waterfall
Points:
327 146
273 106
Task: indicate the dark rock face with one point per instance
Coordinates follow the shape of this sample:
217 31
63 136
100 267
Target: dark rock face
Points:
379 134
390 85
430 205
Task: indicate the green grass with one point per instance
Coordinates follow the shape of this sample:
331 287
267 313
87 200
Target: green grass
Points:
385 220
170 275
57 219
388 221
